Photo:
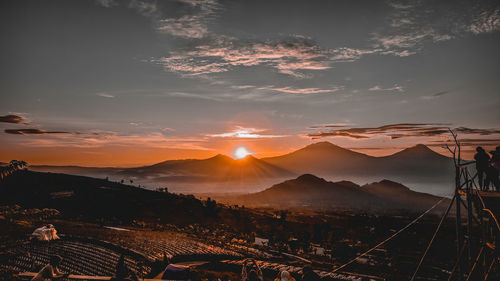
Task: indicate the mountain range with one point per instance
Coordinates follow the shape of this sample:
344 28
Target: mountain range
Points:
415 166
311 192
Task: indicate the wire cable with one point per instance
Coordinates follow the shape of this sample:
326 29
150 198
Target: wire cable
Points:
445 214
390 237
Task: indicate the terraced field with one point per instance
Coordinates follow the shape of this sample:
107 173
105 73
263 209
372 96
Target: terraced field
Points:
155 244
98 252
79 258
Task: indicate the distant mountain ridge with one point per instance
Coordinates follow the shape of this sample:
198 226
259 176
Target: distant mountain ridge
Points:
324 159
216 168
311 192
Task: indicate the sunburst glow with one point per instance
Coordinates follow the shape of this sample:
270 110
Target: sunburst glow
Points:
241 152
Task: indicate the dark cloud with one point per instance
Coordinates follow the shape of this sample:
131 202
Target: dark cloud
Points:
468 142
32 132
442 93
483 132
16 119
329 126
402 130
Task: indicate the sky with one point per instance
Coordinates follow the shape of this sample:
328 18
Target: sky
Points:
134 82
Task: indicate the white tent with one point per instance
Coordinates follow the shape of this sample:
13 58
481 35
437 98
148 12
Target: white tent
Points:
45 233
261 241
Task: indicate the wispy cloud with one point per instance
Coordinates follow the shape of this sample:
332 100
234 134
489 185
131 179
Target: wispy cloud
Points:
191 23
303 91
414 23
485 22
331 125
187 26
241 87
221 54
105 95
245 133
112 139
106 3
396 88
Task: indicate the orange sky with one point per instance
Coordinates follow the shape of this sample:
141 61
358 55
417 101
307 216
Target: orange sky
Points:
142 154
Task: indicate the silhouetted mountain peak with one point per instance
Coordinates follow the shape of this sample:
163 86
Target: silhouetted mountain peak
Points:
248 158
387 184
323 145
220 157
419 150
347 184
421 147
309 178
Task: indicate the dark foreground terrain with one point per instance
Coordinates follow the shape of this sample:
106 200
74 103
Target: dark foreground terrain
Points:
152 228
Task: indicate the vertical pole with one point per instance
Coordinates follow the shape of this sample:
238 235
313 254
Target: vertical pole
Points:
469 216
459 221
483 240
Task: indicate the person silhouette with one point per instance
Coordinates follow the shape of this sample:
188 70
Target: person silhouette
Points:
255 273
309 275
494 168
123 273
482 163
51 270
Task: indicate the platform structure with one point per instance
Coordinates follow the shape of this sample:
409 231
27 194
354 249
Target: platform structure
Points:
477 209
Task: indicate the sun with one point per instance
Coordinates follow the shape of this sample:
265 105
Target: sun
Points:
241 152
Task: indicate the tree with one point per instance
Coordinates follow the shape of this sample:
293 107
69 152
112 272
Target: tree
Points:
13 166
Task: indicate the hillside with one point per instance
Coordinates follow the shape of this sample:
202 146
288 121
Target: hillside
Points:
309 191
98 199
397 193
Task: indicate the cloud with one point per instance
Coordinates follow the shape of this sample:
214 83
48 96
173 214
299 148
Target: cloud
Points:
187 26
412 24
223 53
396 88
105 95
106 3
332 125
113 139
483 132
485 22
245 133
303 91
191 23
292 56
145 8
401 130
241 87
435 95
32 132
195 96
11 118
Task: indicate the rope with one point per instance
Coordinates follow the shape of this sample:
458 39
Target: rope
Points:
475 263
390 237
489 269
459 257
445 214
